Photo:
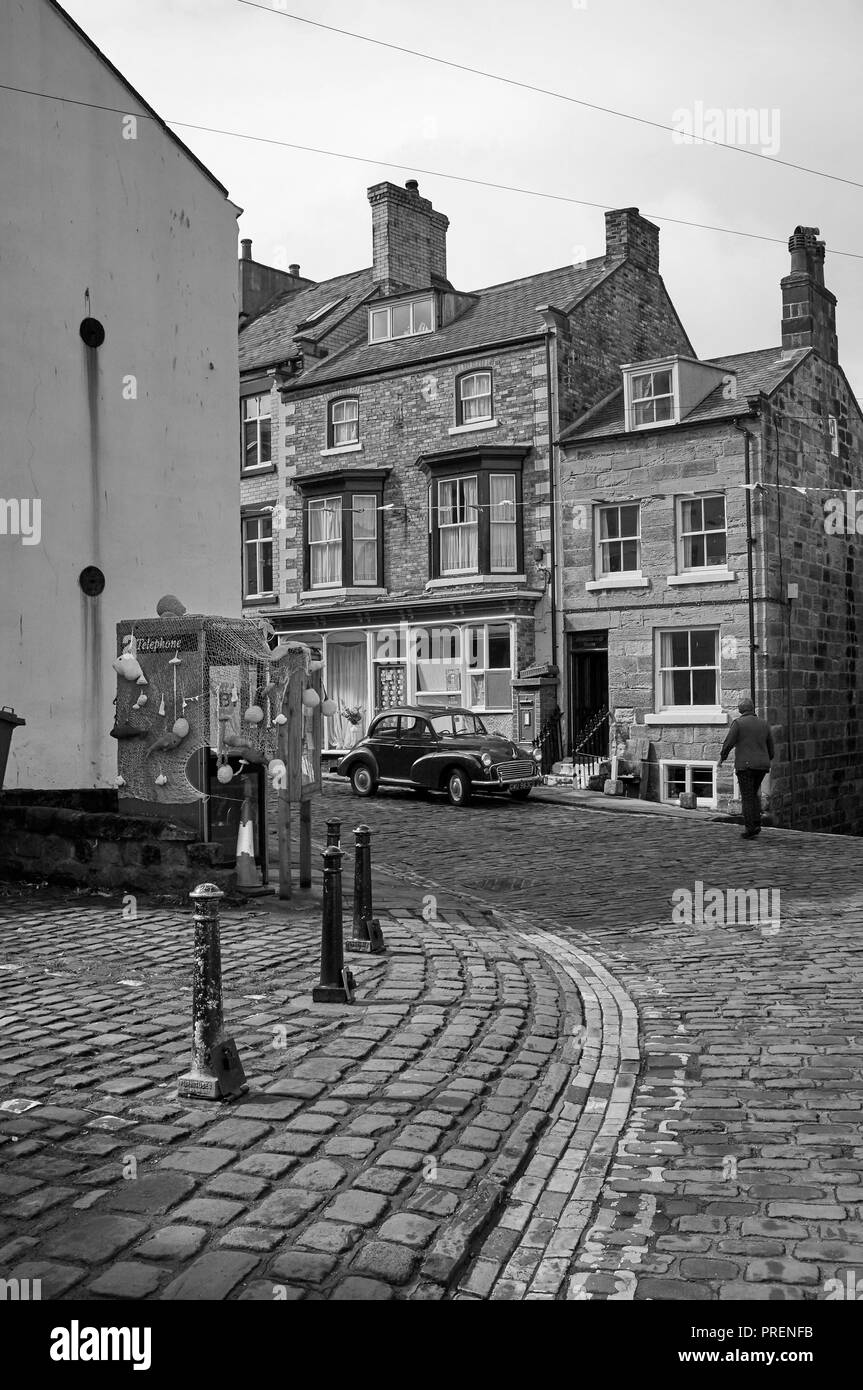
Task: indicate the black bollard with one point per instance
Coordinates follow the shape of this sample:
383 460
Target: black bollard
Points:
334 833
367 934
336 982
216 1072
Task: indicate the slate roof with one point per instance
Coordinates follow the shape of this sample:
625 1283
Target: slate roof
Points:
762 370
495 315
267 339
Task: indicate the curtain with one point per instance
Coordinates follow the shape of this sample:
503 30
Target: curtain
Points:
325 541
458 524
346 684
503 521
365 518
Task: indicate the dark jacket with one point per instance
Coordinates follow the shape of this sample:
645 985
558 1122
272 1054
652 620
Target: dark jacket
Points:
752 741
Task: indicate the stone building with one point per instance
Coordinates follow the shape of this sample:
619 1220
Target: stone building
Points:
671 484
118 387
398 495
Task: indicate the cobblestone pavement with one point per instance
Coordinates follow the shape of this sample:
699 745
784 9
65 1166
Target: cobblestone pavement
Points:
547 1088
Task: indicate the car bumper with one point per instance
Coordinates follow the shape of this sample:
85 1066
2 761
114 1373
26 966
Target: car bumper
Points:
494 784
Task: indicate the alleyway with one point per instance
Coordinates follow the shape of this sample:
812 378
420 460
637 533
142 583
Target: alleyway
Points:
548 1088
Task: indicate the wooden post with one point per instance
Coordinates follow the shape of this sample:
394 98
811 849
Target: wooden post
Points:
284 823
306 843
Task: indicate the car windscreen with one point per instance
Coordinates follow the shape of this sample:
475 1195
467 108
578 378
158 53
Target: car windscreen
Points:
457 723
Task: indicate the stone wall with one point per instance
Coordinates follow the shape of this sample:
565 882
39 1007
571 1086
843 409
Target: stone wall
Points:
824 660
57 844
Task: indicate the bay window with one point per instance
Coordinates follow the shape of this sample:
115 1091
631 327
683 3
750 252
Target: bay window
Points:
475 506
343 539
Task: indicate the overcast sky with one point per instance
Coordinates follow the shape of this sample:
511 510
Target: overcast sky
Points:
222 63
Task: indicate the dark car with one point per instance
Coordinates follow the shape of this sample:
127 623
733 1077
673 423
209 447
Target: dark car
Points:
438 750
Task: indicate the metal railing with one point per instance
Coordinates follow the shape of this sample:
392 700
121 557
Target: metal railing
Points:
549 741
590 748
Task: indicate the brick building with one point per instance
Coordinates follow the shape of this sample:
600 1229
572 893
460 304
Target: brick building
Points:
670 484
399 500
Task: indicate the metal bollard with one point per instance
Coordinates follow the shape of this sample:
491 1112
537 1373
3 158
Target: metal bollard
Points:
334 833
367 934
216 1072
336 986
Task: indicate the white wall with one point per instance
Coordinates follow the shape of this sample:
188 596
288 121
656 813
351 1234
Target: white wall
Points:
146 489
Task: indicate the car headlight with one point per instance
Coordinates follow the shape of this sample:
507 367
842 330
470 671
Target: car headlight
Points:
486 760
537 755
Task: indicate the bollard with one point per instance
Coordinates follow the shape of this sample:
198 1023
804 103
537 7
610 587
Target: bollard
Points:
334 833
336 986
367 934
216 1072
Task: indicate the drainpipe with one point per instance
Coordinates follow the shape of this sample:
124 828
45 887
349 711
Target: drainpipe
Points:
552 445
747 473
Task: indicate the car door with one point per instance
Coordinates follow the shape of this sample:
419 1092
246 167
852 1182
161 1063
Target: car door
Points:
385 747
415 738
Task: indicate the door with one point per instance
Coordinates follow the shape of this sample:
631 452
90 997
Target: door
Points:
384 745
588 691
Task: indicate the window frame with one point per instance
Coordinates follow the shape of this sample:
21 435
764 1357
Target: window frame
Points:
333 424
600 572
257 514
651 369
702 497
481 462
343 486
688 764
690 709
320 503
414 332
488 419
249 470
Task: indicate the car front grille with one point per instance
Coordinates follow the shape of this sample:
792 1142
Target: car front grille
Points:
516 770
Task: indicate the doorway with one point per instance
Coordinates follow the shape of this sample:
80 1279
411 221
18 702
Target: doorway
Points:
588 691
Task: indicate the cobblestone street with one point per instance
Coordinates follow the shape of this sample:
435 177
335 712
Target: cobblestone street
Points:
548 1087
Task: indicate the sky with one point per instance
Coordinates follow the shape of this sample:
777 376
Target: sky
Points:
681 63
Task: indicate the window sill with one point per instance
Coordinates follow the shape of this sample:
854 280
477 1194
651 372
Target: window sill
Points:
342 449
471 429
457 581
717 576
259 471
632 580
250 599
687 717
344 592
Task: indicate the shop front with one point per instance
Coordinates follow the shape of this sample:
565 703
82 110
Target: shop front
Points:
465 654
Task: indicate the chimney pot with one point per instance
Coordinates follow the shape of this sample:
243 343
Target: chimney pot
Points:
246 244
412 185
293 269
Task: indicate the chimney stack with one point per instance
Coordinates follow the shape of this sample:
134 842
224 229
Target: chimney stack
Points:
630 236
408 239
246 244
808 308
293 268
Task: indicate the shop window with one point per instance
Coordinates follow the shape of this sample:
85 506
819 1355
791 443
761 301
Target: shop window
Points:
489 662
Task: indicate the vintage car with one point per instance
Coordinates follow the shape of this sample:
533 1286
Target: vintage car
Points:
438 749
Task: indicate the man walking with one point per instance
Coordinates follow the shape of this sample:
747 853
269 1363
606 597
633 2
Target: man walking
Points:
752 741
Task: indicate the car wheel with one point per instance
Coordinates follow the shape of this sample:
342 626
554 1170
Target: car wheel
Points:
521 794
362 781
458 788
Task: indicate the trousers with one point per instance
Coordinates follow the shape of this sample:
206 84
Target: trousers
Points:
749 780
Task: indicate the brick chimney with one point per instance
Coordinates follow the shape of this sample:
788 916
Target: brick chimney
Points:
408 239
808 308
629 235
260 284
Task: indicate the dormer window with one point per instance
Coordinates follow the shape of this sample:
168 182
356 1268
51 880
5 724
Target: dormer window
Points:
651 398
403 320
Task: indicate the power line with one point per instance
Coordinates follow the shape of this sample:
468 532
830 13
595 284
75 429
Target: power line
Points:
541 91
416 169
